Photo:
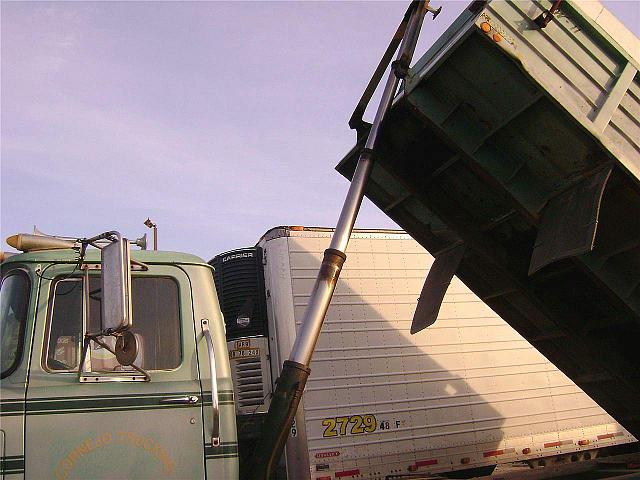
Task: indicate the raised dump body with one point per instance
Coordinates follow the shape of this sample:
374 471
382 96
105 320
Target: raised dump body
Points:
520 145
463 395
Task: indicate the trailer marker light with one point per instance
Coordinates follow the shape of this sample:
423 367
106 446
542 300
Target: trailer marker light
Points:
526 451
348 473
497 37
583 442
495 453
486 28
492 453
465 460
557 444
412 468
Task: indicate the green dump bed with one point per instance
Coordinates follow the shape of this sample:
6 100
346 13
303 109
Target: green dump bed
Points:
522 144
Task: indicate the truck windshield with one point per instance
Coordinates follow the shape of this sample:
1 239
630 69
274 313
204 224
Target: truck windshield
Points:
14 304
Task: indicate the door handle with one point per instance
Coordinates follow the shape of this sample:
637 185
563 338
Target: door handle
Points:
188 400
215 431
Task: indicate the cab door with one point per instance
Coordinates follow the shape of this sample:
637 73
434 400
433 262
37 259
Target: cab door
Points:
16 314
111 426
221 441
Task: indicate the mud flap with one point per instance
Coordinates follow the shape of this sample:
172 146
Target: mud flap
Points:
435 286
569 221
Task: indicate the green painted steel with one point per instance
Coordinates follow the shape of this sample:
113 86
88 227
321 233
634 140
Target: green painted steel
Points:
151 257
497 120
95 403
83 430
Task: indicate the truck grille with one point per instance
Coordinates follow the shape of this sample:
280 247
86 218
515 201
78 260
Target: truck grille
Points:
251 373
250 389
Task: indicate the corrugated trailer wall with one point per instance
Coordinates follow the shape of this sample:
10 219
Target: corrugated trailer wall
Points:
466 392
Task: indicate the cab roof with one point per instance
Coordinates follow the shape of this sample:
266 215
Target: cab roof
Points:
93 256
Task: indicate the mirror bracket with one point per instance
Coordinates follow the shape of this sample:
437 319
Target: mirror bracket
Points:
136 266
90 377
116 319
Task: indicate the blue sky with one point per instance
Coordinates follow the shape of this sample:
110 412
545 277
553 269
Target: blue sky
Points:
217 120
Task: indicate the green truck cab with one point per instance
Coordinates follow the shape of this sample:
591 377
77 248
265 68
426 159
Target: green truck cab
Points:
70 414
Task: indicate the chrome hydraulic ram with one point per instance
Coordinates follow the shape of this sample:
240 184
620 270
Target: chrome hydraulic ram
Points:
295 371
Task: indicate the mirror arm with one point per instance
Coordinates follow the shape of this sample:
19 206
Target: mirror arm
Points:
142 265
111 235
83 358
87 339
93 241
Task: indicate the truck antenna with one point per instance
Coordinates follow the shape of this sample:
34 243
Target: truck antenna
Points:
295 371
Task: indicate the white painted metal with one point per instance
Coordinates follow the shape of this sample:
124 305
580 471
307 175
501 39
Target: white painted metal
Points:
466 386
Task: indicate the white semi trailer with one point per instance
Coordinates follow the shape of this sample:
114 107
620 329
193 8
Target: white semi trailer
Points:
461 396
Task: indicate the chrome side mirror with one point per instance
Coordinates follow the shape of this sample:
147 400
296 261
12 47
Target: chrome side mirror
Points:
116 286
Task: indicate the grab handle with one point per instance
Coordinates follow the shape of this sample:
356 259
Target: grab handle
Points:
215 431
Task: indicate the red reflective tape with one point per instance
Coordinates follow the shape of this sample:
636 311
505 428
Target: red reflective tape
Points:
323 478
606 435
557 444
426 463
348 473
492 453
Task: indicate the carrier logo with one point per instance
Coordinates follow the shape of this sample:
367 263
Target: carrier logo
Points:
327 454
237 255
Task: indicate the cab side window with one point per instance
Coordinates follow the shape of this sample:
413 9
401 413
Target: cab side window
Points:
156 318
65 333
14 306
156 324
